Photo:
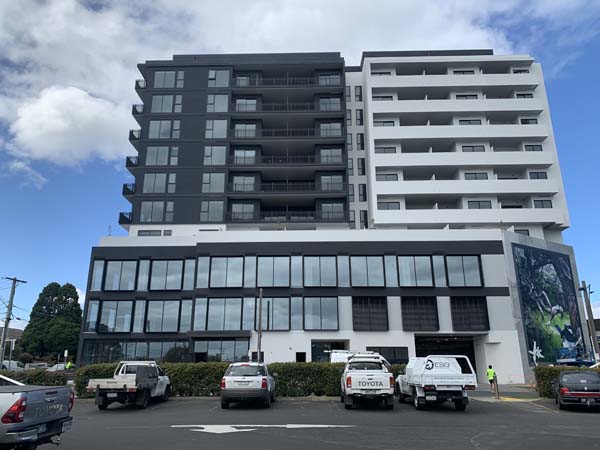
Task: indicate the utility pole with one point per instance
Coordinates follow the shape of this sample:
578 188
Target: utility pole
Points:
591 325
15 281
260 300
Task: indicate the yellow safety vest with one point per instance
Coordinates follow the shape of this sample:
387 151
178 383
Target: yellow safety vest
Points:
491 373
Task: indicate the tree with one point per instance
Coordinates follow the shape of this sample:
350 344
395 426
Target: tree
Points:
54 323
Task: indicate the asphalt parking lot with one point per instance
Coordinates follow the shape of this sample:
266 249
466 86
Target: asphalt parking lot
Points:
200 423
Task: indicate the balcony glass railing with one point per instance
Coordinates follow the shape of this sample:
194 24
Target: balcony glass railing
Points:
135 134
129 189
284 215
285 160
125 218
140 84
286 107
283 186
246 82
287 132
132 161
138 108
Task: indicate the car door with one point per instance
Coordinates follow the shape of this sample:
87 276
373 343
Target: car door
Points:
161 385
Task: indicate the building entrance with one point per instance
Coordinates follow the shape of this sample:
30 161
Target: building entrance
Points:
446 345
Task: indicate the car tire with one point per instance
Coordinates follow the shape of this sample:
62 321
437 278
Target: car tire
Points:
103 406
348 402
460 405
145 400
167 394
273 399
561 405
415 398
224 404
389 403
342 398
267 401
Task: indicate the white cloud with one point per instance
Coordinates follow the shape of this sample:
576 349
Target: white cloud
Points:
26 175
67 67
81 295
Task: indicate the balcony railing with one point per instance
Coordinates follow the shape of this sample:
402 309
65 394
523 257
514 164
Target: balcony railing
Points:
283 215
140 84
284 160
132 161
244 82
283 186
135 135
285 107
128 189
137 109
125 218
286 132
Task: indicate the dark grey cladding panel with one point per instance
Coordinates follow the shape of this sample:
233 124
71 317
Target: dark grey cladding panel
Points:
251 58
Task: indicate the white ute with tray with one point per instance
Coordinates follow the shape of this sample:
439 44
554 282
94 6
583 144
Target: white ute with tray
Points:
367 376
436 379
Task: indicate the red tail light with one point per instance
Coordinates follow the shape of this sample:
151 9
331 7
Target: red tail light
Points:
264 383
392 382
16 412
223 383
564 391
349 382
469 387
429 387
71 400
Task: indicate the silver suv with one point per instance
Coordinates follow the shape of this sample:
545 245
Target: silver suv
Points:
247 381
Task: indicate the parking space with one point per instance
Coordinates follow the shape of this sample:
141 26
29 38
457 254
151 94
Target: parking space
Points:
182 424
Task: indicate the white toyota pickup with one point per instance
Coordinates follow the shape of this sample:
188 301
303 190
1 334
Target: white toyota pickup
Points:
436 379
367 376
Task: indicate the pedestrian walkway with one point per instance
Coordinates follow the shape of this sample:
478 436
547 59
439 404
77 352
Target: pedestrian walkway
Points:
508 393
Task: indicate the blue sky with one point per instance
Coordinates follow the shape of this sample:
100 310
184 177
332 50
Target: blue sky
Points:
66 89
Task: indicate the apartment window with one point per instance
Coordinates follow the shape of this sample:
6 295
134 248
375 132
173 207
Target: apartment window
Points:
385 149
169 211
520 71
350 192
154 183
226 272
244 157
152 212
362 166
216 129
439 270
244 80
362 192
171 183
349 117
166 103
164 129
273 271
330 129
479 204
386 177
242 211
213 182
369 314
168 79
185 316
188 274
358 93
275 314
331 183
120 275
394 355
215 155
476 176
350 166
115 317
330 104
542 203
143 275
415 271
91 318
383 98
218 78
320 313
538 176
420 314
166 275
138 316
524 95
211 211
352 219
245 130
320 271
469 314
329 79
529 121
174 159
463 271
464 72
367 271
243 183
245 104
469 122
383 123
360 141
466 97
159 156
359 117
330 155
364 219
388 205
523 231
217 103
348 92
349 141
162 316
473 148
97 275
332 211
179 83
533 148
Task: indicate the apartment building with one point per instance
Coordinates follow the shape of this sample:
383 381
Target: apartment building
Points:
410 205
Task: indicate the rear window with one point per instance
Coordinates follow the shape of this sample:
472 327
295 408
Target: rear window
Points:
365 365
464 366
581 378
245 371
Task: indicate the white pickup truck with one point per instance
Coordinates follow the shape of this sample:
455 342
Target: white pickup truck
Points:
133 382
436 379
367 376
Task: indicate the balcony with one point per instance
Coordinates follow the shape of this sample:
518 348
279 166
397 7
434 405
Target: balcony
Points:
128 189
286 215
287 187
135 135
285 107
125 218
287 133
137 109
132 161
287 160
246 82
140 84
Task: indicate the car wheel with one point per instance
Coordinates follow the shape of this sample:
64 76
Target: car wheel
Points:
273 399
267 403
145 400
342 398
460 405
389 403
167 394
348 402
416 400
224 404
103 406
561 405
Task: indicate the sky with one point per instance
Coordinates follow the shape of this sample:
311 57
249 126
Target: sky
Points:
67 72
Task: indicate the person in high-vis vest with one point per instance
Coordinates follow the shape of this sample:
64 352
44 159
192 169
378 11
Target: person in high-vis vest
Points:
491 375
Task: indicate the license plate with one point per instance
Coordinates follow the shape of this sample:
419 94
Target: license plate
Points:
243 383
112 395
42 428
430 397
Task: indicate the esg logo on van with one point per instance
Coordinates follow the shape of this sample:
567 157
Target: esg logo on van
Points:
429 364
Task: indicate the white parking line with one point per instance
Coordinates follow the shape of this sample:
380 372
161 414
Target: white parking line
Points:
221 429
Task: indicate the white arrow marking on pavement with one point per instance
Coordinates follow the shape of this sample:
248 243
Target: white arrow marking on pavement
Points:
220 429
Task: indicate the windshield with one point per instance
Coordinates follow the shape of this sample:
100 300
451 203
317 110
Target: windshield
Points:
245 371
581 378
365 365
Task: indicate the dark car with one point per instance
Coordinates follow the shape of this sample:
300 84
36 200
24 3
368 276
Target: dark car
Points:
577 388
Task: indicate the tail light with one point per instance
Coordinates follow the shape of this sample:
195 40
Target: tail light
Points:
264 383
392 382
469 387
223 383
564 391
349 382
429 387
16 412
71 400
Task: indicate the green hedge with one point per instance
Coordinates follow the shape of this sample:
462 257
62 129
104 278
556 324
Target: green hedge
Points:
545 376
38 377
204 379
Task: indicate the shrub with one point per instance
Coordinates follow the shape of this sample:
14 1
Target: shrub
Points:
545 376
83 375
38 377
195 379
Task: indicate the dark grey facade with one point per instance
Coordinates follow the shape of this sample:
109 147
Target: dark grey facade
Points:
239 139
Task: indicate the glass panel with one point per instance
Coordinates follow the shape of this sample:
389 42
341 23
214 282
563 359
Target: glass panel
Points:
128 270
143 273
241 349
248 314
343 271
227 350
265 271
158 277
391 271
439 271
123 318
235 270
200 314
281 270
188 276
375 271
138 318
185 322
358 265
455 271
202 272
216 314
214 350
218 272
154 317
312 313
92 316
296 313
250 271
170 316
141 351
329 318
154 351
233 314
281 314
471 267
328 271
297 271
97 274
174 275
113 275
407 271
423 271
312 275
